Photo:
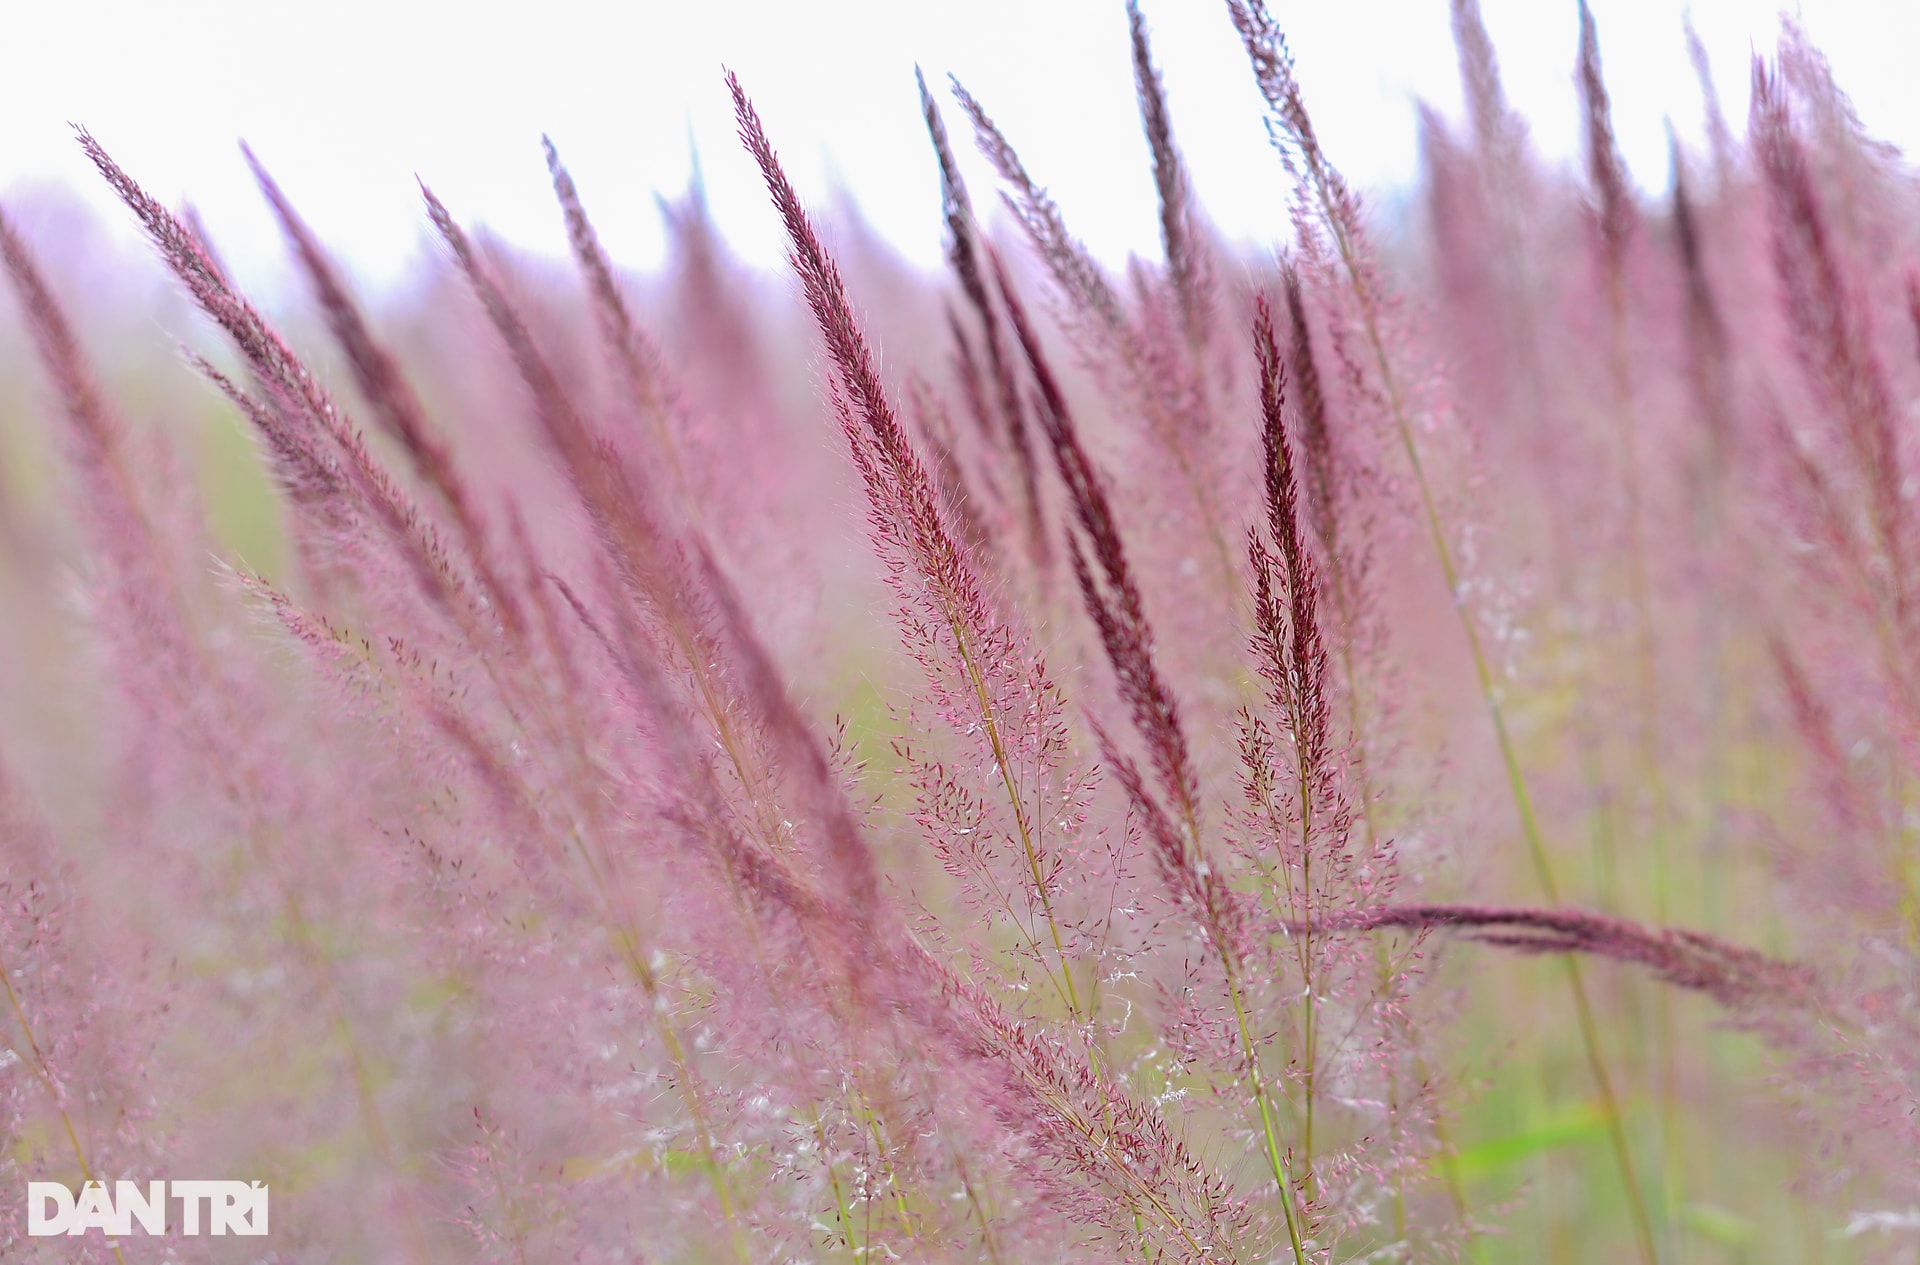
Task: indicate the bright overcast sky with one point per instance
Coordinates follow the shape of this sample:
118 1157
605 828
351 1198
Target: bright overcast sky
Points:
346 101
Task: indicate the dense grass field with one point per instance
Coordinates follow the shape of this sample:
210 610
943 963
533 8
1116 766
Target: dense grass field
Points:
1400 746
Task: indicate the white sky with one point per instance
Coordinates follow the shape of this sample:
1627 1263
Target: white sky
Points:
345 101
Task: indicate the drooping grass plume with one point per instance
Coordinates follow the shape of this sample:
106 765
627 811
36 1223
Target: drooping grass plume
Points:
1734 976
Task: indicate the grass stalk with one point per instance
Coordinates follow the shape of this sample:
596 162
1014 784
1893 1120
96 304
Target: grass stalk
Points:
1269 1129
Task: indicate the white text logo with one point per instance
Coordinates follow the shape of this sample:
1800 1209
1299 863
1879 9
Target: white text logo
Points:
203 1208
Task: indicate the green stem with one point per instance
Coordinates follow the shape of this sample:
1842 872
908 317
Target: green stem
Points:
1270 1133
1028 841
52 1087
841 1208
1516 780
